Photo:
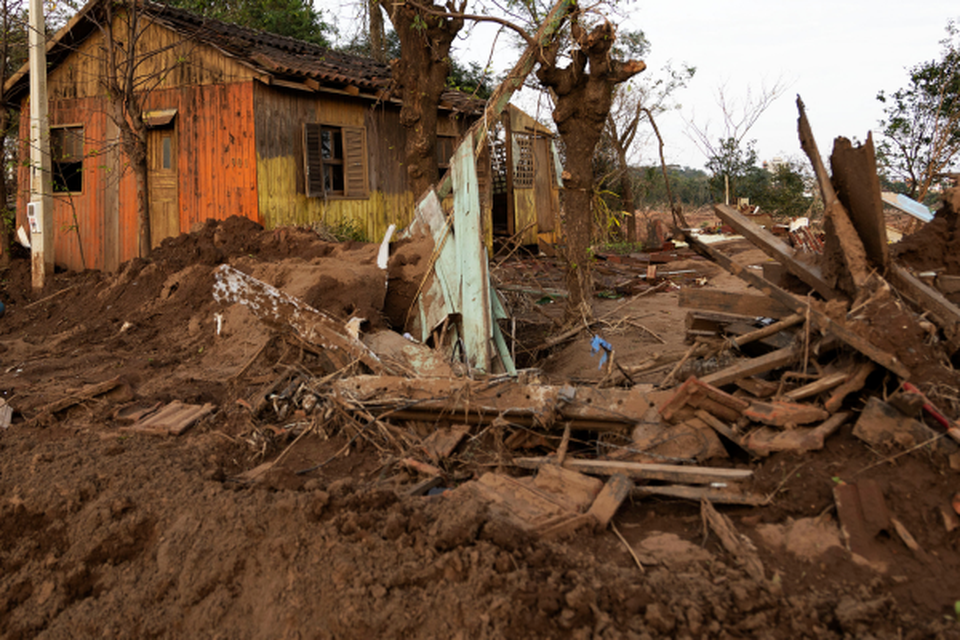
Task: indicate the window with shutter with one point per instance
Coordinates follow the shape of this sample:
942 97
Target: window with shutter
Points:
335 161
313 167
355 162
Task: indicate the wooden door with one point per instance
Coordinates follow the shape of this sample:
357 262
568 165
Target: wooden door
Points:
546 198
162 184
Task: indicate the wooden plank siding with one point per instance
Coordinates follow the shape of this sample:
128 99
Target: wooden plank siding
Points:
280 115
217 176
217 158
239 150
213 96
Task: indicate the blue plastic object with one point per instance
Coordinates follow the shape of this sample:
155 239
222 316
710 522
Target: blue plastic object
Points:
600 345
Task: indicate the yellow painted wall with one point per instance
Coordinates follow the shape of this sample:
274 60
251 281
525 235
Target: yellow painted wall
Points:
526 212
281 204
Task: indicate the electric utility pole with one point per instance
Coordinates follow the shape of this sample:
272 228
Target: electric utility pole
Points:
40 209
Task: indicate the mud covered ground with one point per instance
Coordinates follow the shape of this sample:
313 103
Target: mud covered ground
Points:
110 534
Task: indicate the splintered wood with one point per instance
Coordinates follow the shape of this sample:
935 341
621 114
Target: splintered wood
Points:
482 402
278 309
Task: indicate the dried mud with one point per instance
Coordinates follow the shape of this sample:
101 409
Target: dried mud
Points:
108 534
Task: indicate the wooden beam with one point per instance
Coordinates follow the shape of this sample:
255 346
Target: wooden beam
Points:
776 249
786 298
858 188
753 366
741 304
644 471
610 498
768 330
818 386
854 255
717 495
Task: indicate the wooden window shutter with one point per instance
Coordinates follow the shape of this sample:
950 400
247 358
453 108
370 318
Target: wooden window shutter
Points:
354 162
312 163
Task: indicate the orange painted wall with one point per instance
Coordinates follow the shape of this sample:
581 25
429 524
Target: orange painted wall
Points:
216 162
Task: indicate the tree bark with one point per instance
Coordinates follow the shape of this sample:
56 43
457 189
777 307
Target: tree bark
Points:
421 75
582 103
376 31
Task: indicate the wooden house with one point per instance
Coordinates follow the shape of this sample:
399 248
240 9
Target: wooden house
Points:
241 122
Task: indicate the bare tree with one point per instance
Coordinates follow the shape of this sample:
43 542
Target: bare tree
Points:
632 103
724 150
583 94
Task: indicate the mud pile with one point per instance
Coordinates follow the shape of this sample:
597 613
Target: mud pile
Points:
936 245
110 534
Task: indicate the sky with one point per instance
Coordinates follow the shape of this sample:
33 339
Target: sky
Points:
836 54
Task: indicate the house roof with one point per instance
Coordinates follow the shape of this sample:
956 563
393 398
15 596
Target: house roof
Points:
279 59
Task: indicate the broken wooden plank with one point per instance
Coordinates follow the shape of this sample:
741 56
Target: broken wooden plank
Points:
753 366
441 443
757 387
644 471
713 494
614 492
776 249
825 383
853 384
764 441
701 395
579 489
6 414
784 414
275 307
864 346
881 425
851 246
477 317
172 419
568 526
86 393
858 188
742 304
720 427
738 545
768 330
468 401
